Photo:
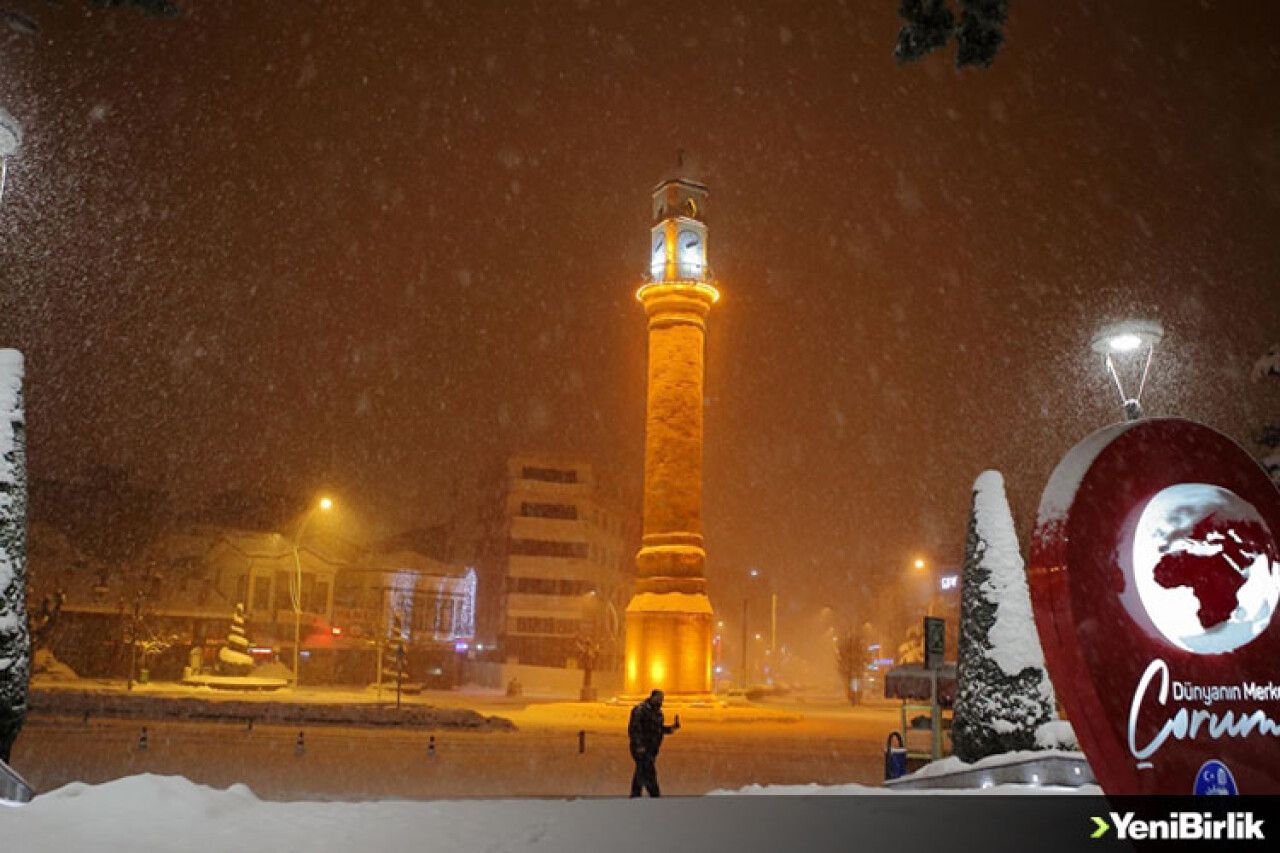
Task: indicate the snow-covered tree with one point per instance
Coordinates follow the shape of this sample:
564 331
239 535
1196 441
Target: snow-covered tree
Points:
911 649
22 23
1269 436
930 24
852 658
395 663
1003 693
15 641
234 658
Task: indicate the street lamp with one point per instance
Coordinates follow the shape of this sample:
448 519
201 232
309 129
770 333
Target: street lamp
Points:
295 590
921 566
752 574
1126 342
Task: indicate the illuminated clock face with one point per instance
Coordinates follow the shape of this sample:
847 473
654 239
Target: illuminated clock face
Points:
658 258
690 248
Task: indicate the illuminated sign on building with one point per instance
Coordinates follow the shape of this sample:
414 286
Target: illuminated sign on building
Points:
1155 577
947 582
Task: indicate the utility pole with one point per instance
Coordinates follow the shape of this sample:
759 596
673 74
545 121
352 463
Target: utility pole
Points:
745 602
133 637
773 625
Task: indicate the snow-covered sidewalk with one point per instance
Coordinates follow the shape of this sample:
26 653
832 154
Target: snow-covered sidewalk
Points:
151 814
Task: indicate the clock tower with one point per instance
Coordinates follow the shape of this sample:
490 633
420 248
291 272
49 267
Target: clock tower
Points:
669 620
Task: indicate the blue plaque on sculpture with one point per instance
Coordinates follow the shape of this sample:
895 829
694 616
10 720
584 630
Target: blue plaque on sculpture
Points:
1214 779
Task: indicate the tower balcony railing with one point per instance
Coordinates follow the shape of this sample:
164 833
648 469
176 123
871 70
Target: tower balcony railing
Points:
700 283
684 272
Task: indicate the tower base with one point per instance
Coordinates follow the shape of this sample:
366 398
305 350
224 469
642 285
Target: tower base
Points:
668 645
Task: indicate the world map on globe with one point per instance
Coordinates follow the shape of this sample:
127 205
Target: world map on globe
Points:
1205 568
1215 570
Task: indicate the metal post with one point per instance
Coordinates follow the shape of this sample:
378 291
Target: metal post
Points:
773 626
133 639
935 716
399 669
297 612
745 678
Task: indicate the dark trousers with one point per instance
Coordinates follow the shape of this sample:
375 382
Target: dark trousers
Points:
646 775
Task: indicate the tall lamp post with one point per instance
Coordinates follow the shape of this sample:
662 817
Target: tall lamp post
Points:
921 566
295 590
752 574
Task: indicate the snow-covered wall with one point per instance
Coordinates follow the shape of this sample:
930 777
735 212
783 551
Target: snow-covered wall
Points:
541 680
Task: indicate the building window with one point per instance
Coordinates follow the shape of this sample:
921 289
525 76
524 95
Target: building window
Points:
320 598
261 594
535 510
547 586
284 601
549 475
546 625
543 548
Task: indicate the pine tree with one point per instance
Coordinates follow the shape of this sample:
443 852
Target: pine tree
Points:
1003 692
15 641
395 658
234 658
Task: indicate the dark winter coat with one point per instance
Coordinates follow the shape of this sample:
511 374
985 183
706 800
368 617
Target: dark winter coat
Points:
647 728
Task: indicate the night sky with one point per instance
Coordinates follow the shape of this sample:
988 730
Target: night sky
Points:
374 247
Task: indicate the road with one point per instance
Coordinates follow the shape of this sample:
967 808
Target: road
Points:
828 744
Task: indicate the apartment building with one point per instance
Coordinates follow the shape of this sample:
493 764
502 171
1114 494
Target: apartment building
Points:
556 560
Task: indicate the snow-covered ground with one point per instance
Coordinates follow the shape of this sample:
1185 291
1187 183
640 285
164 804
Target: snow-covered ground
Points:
150 814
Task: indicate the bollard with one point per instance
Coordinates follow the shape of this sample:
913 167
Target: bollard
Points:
142 738
301 746
431 747
895 757
582 741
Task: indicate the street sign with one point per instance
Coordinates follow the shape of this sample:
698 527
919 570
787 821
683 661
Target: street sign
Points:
935 642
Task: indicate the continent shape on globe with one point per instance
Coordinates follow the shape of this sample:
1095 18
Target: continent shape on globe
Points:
1215 565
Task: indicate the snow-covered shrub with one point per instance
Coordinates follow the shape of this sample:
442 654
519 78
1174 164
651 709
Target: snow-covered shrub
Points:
15 642
45 665
1057 734
1003 692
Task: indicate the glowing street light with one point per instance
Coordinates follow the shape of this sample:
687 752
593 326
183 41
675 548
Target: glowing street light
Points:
1125 342
295 591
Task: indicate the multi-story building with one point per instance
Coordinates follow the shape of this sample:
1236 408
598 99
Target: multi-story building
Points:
556 562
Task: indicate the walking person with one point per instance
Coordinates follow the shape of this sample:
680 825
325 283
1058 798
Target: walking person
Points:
646 731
